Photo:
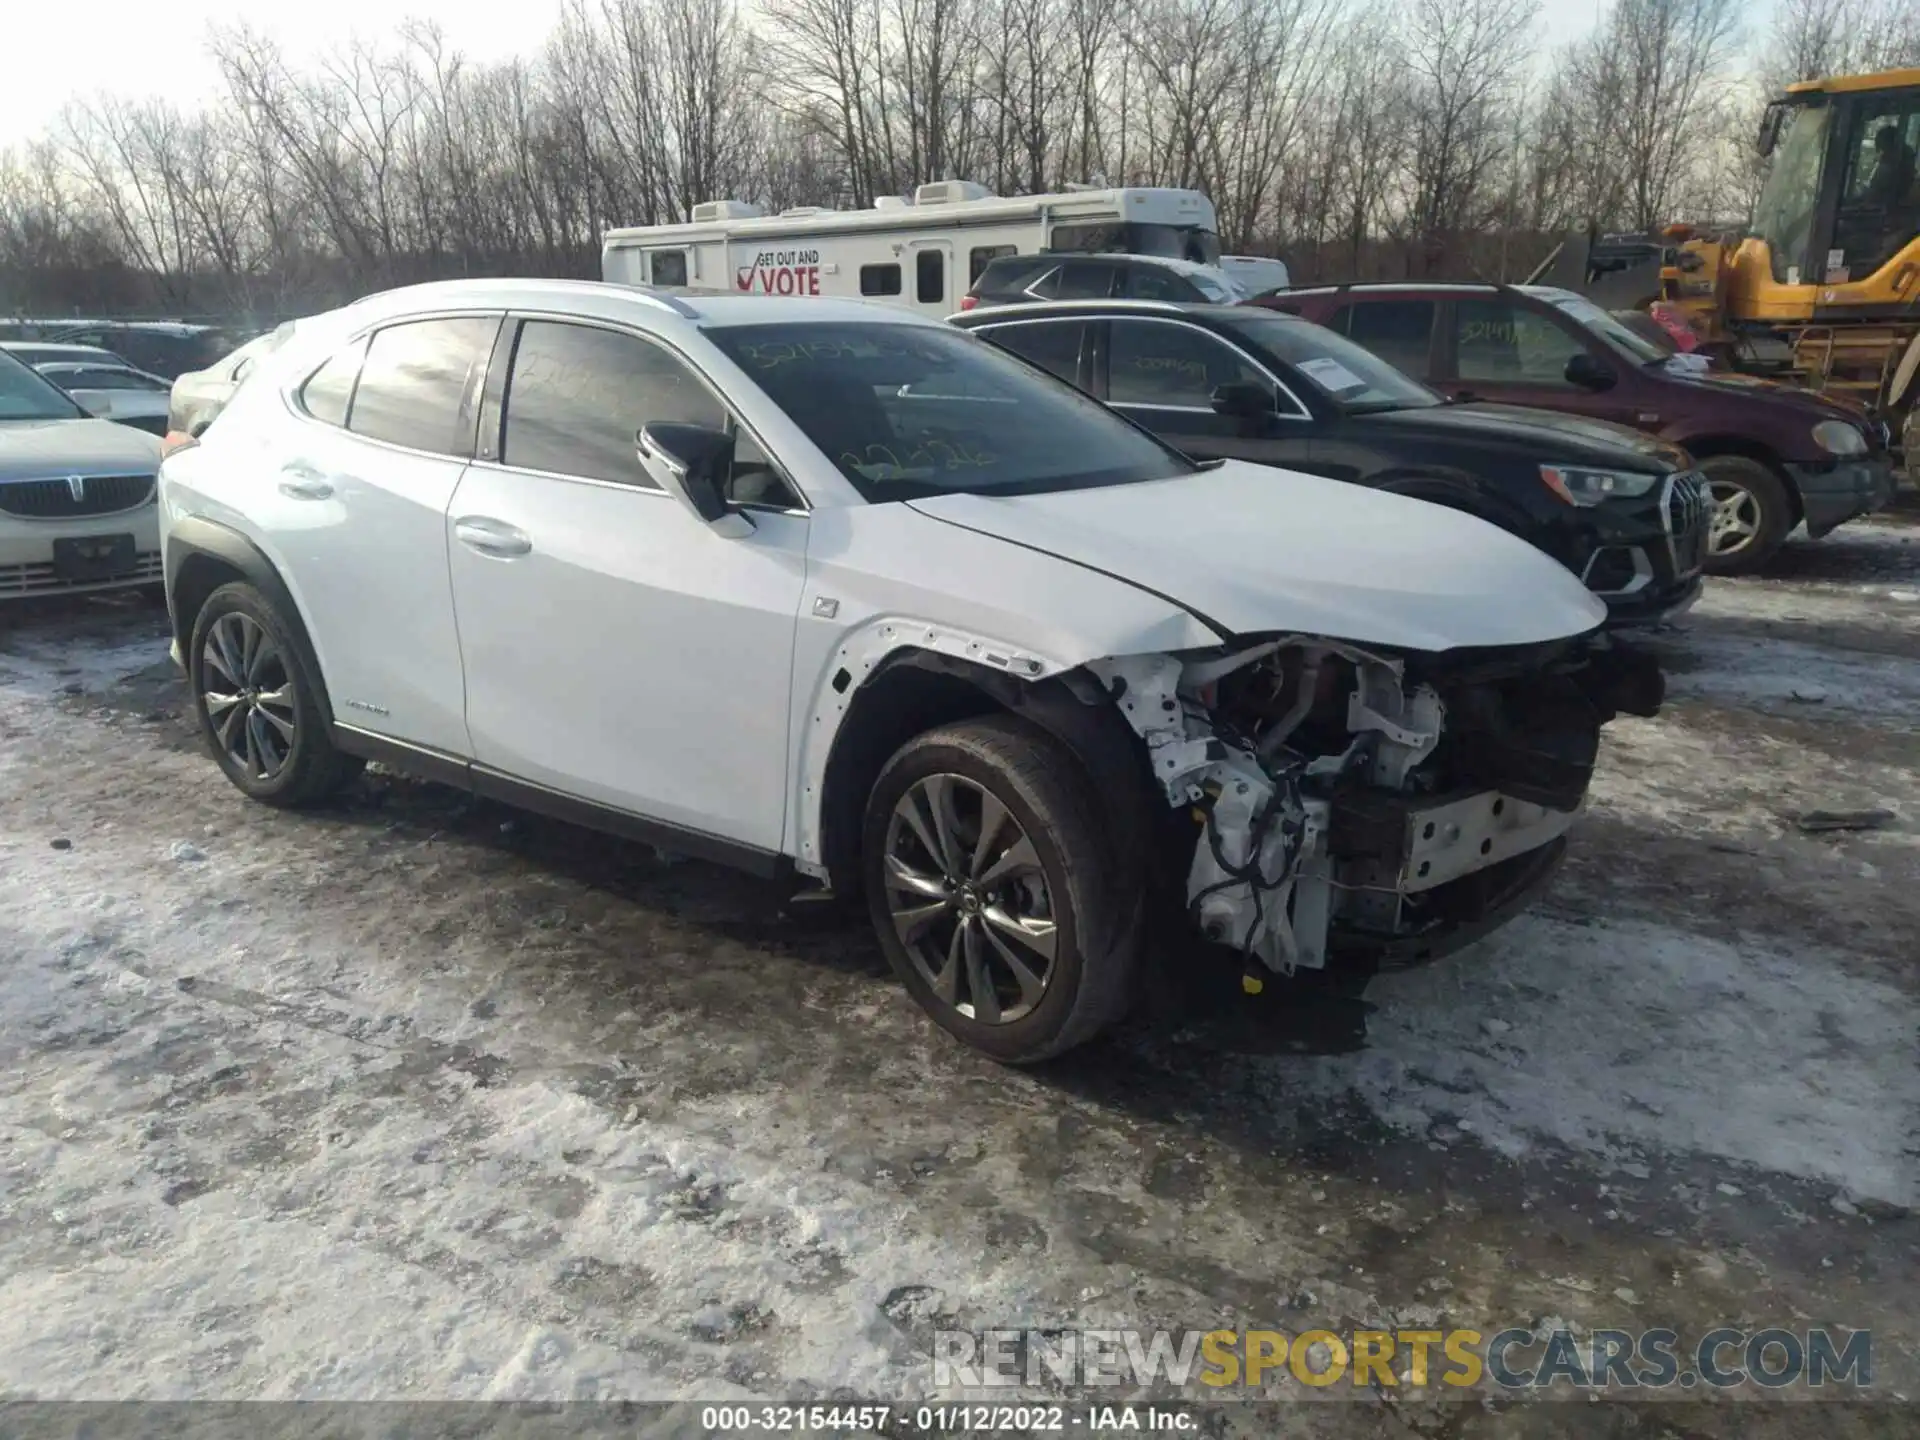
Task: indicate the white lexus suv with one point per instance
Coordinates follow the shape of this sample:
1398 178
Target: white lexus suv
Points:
820 586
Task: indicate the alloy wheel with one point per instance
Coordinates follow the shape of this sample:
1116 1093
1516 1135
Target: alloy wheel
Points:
1735 521
969 899
248 696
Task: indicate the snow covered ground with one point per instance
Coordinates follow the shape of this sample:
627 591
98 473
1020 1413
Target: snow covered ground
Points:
419 1099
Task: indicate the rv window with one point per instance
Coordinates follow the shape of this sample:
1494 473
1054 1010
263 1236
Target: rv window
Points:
879 279
669 267
982 256
1089 239
930 277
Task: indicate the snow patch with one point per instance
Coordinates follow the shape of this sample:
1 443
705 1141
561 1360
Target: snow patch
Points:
1627 1037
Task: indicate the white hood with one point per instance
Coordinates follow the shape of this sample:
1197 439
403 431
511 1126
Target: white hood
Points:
1251 549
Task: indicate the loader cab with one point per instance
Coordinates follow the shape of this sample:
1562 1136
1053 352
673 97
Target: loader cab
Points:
1840 211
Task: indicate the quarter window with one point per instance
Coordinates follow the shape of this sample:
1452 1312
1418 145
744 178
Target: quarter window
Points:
417 384
578 395
1155 363
1400 332
1053 345
329 390
879 279
1500 342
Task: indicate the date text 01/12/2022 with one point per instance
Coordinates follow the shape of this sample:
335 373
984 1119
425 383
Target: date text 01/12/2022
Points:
945 1419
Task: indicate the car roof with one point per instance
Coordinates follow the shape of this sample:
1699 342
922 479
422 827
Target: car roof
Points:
51 350
1172 309
607 300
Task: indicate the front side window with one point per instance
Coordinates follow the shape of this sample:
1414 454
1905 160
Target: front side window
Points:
1400 332
906 411
1503 343
27 396
1053 345
1880 195
1150 282
577 397
1783 216
417 379
97 379
1154 362
329 390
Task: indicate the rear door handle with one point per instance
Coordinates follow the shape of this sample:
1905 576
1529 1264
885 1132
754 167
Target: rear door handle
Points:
303 482
491 537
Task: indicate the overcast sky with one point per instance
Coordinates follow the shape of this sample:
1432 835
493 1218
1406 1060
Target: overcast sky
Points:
55 54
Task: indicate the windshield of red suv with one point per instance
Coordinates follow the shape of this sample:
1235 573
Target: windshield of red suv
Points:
907 411
1592 318
26 396
1353 378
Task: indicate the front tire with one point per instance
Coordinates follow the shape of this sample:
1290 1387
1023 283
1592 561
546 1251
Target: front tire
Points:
995 890
1751 515
258 702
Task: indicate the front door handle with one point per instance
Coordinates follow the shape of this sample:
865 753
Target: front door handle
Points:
491 537
303 482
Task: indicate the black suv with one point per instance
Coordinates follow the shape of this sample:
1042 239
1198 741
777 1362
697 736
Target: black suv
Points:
1026 279
1619 509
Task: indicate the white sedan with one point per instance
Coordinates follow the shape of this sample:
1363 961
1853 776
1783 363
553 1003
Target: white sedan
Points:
113 391
822 587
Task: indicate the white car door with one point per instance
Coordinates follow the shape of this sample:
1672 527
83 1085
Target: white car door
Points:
357 509
617 650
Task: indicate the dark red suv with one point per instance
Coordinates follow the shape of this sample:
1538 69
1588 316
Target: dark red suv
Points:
1773 455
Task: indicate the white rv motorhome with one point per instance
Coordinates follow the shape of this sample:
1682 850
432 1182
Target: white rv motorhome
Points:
921 254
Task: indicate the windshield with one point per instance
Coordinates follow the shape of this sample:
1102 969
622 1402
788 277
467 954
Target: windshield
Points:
1784 215
1354 379
25 396
1607 326
906 411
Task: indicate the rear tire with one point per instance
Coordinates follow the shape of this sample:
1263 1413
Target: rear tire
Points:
1751 517
995 891
258 702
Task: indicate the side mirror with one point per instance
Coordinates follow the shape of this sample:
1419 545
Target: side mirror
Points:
1243 398
691 463
1588 373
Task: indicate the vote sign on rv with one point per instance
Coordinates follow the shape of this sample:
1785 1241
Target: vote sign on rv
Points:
780 272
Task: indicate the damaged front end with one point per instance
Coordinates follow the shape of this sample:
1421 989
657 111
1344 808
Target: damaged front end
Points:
1357 803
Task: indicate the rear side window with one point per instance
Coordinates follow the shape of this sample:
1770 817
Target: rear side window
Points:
577 397
329 390
418 382
1084 280
1053 345
1400 332
879 279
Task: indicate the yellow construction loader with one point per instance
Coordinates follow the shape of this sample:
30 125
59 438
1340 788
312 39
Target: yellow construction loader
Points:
1823 285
